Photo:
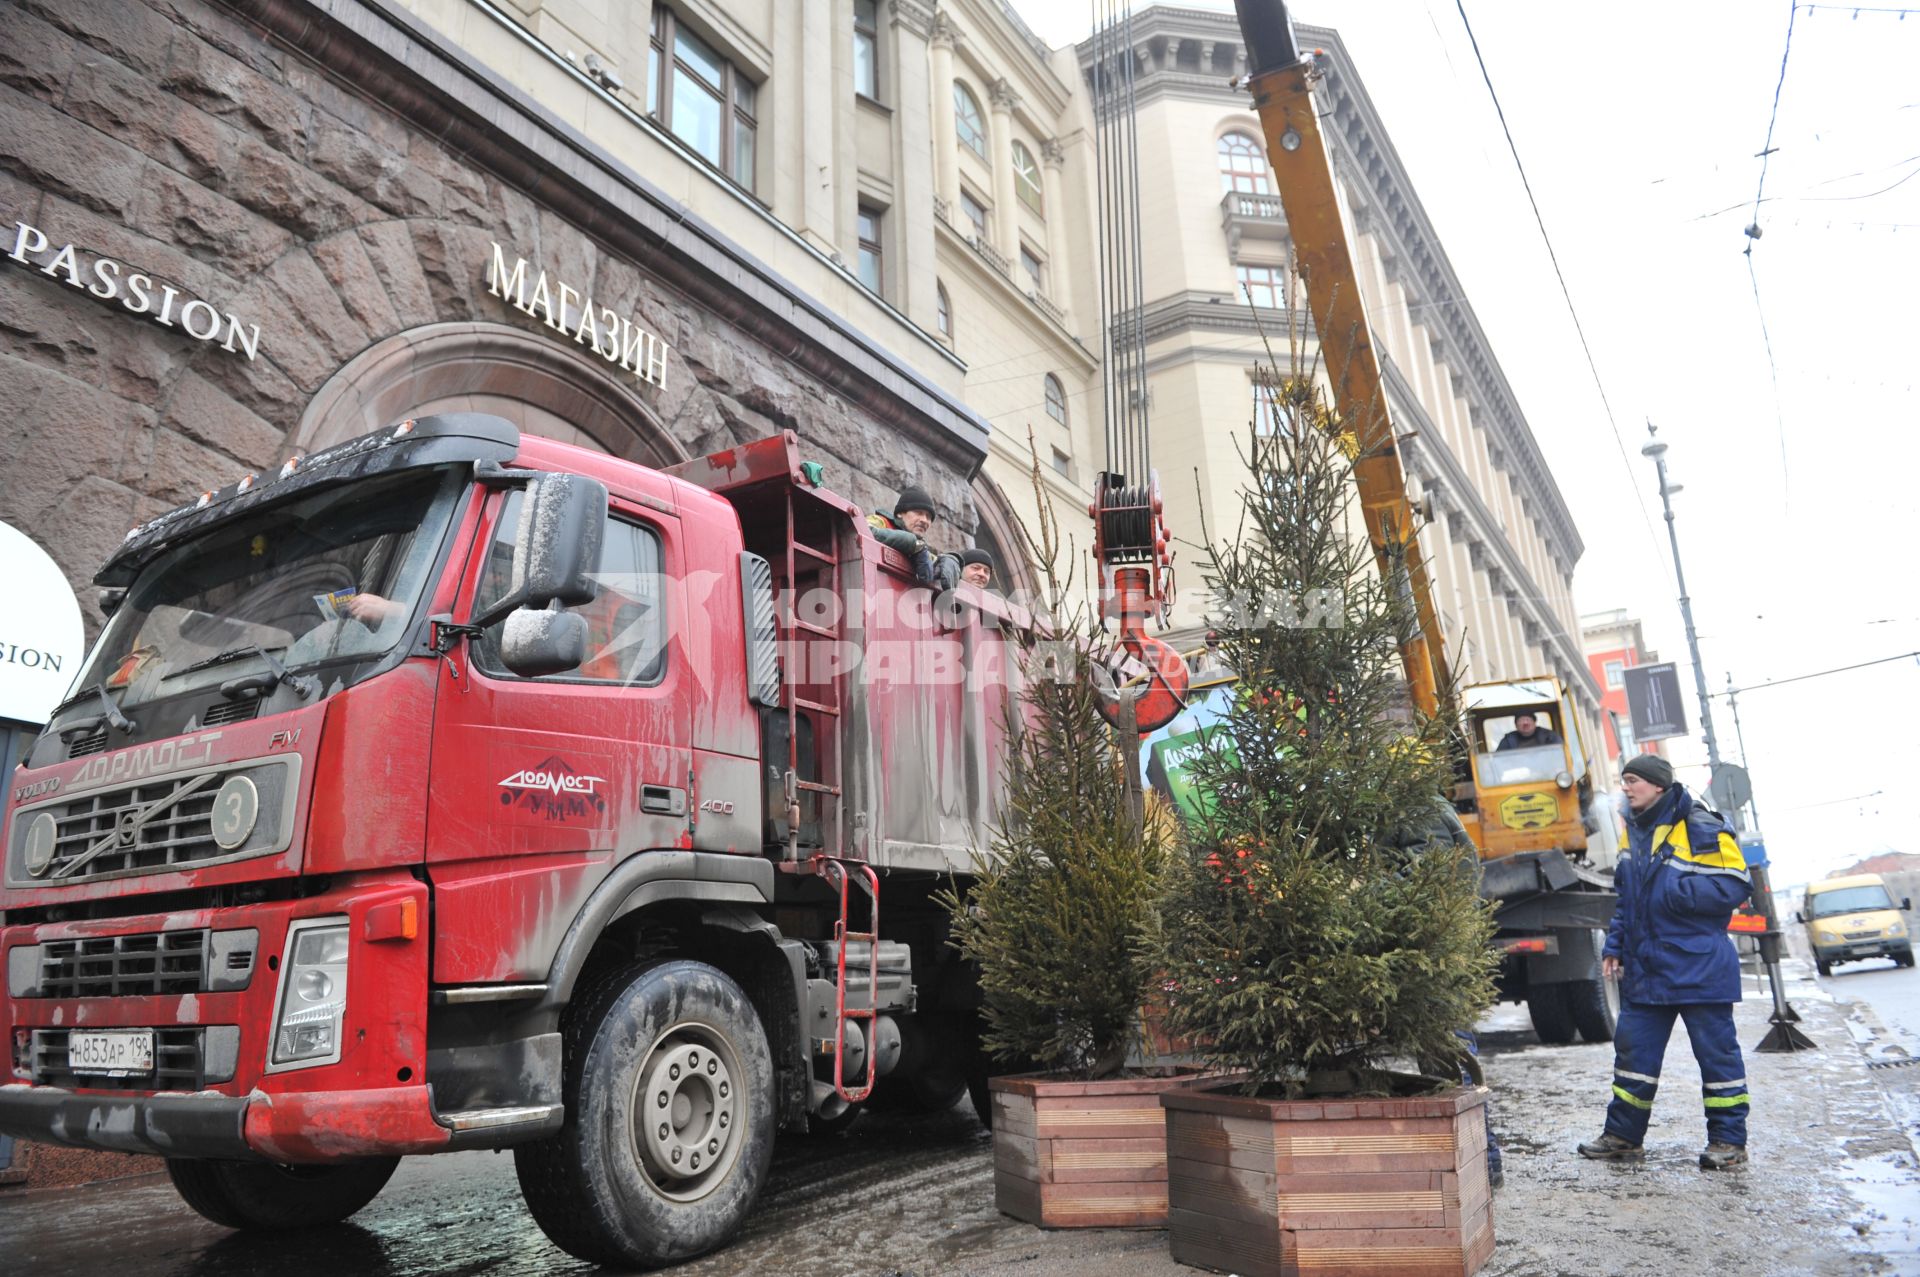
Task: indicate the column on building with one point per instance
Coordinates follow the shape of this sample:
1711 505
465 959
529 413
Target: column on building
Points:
1006 223
914 145
946 160
1053 191
818 170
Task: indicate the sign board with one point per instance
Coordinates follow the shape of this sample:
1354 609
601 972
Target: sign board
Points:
41 640
1730 788
1654 702
1529 811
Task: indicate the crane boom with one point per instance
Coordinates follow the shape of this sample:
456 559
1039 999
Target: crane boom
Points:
1280 81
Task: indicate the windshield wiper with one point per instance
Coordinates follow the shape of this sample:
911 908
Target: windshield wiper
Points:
111 715
261 684
222 658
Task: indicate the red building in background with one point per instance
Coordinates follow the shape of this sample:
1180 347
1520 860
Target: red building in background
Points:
1613 642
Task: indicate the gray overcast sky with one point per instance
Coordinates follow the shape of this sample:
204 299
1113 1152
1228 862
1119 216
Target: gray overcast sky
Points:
1638 124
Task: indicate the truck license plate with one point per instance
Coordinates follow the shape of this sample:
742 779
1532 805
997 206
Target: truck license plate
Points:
112 1053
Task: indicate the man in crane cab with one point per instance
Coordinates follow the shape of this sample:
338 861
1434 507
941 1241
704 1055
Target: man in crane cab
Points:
1527 733
1680 874
906 530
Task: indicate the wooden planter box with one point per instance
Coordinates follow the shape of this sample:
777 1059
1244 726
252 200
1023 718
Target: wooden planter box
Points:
1264 1188
1083 1154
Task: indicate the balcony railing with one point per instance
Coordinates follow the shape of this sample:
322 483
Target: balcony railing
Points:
1249 216
1053 310
992 255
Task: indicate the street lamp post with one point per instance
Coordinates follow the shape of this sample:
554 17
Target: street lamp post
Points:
1658 451
1783 1036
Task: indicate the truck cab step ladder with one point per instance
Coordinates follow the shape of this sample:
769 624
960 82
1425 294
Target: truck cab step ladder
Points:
841 874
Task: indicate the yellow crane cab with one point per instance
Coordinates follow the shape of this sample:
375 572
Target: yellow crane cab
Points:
1531 780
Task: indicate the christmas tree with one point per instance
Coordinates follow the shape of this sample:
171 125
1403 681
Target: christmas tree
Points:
1060 919
1321 919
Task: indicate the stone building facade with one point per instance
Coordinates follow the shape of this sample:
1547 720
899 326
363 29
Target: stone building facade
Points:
869 221
237 231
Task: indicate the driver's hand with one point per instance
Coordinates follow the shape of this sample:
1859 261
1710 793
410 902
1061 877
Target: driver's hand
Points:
371 609
1610 968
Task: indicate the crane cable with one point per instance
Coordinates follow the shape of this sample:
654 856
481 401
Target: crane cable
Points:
1122 279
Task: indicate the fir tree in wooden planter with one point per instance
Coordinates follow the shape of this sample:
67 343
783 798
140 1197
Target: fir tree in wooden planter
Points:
1320 921
1060 925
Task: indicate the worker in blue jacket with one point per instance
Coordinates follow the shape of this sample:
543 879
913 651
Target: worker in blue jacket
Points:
1679 878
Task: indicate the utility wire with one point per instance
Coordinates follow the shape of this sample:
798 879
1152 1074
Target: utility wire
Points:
1801 678
1753 276
1592 367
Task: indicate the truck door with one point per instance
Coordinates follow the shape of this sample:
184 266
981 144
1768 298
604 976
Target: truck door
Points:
539 786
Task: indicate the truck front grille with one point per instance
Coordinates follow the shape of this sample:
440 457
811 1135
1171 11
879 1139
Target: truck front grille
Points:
92 743
124 966
1861 935
157 825
178 1061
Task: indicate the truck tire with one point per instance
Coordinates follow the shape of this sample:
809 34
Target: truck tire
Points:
268 1197
670 1123
1823 966
1594 1003
1552 1017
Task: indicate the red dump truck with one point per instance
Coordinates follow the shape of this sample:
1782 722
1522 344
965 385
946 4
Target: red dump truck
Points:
457 789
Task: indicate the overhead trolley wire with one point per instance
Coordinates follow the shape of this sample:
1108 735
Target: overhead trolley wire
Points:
1565 292
1753 275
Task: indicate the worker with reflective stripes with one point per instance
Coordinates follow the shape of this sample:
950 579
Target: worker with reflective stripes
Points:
1680 876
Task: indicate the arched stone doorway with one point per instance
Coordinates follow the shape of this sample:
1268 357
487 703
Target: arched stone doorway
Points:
997 531
541 386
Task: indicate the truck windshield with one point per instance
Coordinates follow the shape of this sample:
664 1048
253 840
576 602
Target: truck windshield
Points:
330 577
1848 900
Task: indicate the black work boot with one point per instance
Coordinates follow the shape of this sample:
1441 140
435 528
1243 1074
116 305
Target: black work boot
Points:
1719 1157
1611 1148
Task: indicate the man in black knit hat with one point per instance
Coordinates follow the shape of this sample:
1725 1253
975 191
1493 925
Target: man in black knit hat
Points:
906 530
1680 875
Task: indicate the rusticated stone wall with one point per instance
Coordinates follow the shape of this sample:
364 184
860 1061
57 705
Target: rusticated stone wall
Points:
183 141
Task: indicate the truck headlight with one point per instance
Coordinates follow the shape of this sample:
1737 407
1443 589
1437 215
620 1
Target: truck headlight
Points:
1896 928
313 995
1826 937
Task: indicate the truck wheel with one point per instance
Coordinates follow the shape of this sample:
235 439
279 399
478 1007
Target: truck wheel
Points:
262 1195
1823 966
1552 1017
1594 1003
669 1126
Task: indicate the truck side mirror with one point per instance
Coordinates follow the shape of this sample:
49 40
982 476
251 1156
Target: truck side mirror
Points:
1906 904
557 549
1798 916
539 641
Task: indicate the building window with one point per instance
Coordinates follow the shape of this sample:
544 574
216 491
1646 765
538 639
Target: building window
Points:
1036 270
1026 180
1243 166
1062 464
942 310
871 273
1616 673
866 48
976 214
701 98
966 120
1262 285
1056 399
